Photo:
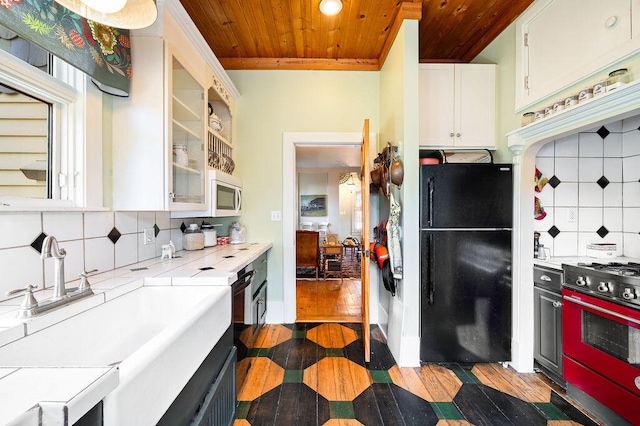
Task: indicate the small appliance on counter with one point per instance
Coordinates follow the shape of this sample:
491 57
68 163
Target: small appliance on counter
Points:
193 238
236 233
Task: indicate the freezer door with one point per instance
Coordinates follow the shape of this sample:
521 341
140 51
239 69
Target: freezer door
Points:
465 296
466 196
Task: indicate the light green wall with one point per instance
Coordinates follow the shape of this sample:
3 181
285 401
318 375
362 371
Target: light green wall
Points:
502 51
273 102
399 125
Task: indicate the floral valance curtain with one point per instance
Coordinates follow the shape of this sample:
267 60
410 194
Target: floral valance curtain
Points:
102 52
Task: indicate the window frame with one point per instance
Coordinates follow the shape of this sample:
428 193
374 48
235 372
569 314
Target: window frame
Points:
76 167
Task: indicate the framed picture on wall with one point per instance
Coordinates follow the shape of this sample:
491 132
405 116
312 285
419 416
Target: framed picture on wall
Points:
313 205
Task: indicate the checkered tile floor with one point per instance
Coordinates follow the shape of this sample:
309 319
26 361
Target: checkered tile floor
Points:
314 374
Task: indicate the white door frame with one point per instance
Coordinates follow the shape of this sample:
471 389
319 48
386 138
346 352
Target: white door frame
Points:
290 203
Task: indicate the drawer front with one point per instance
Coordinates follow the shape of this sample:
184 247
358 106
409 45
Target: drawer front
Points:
547 278
260 266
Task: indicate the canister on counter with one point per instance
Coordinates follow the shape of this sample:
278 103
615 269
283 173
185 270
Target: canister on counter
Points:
585 94
548 110
558 105
617 78
600 87
571 101
539 115
528 118
193 238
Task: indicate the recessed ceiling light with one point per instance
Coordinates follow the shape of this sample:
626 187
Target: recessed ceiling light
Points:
330 7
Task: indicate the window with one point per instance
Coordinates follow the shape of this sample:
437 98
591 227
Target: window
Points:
43 155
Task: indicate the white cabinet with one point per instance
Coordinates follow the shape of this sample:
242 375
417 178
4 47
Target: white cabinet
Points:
457 105
163 116
560 42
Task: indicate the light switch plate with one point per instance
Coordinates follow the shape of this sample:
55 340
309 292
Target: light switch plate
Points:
276 216
149 236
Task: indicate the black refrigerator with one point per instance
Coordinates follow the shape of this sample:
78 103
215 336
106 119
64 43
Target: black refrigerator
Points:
466 216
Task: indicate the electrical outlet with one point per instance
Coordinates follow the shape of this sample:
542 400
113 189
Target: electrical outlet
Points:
571 215
149 236
276 216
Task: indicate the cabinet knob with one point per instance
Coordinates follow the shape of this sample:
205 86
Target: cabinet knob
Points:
458 135
557 304
451 134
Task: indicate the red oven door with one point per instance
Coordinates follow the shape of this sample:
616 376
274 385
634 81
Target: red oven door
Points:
602 336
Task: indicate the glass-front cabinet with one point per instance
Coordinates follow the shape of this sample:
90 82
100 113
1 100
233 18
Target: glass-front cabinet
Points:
187 130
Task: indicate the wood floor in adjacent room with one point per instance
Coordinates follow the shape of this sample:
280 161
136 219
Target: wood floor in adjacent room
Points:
331 300
314 374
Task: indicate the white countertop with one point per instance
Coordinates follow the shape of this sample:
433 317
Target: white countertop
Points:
53 390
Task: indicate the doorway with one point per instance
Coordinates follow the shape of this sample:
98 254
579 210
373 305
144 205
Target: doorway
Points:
328 191
290 199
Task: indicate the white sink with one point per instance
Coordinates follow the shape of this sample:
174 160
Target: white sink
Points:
158 336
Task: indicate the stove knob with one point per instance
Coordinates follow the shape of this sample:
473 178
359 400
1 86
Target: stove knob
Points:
604 287
629 294
637 382
581 281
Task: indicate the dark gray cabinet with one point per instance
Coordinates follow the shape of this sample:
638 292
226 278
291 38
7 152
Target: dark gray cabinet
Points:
548 322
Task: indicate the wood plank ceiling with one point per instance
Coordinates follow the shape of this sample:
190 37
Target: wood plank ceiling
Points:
293 34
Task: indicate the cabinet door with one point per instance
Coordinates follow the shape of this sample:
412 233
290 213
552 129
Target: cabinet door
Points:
435 91
187 130
548 329
475 106
562 41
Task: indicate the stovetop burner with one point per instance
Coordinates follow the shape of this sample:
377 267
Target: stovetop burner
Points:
630 269
615 281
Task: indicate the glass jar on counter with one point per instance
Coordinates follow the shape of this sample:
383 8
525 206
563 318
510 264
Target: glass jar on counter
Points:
528 118
617 78
193 238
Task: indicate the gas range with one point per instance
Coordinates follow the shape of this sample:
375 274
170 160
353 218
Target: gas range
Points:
614 281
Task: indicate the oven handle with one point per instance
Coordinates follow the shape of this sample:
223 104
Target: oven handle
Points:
243 282
577 301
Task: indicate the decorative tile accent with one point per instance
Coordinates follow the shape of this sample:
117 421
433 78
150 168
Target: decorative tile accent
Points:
554 231
550 411
554 181
341 410
156 230
144 268
114 235
380 376
603 132
293 376
37 243
446 411
183 227
335 352
206 268
603 182
602 231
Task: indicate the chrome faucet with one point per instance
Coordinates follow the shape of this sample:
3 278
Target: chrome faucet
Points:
50 249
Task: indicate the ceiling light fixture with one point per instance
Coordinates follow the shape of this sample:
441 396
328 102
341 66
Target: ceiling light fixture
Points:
350 184
129 14
330 7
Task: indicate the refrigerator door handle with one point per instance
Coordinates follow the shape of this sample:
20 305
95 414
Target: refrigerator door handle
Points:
431 285
430 190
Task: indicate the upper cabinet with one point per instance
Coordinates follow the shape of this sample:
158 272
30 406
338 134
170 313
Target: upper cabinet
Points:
560 42
175 125
457 105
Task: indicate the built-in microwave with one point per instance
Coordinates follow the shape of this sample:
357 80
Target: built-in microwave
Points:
226 194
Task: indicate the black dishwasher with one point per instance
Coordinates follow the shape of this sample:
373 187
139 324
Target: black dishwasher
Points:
548 322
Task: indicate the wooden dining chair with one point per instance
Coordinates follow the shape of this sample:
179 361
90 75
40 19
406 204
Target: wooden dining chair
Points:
308 249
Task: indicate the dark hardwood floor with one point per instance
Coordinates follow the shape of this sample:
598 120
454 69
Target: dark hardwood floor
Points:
314 374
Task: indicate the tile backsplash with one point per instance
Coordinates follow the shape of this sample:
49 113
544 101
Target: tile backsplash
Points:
593 190
92 240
